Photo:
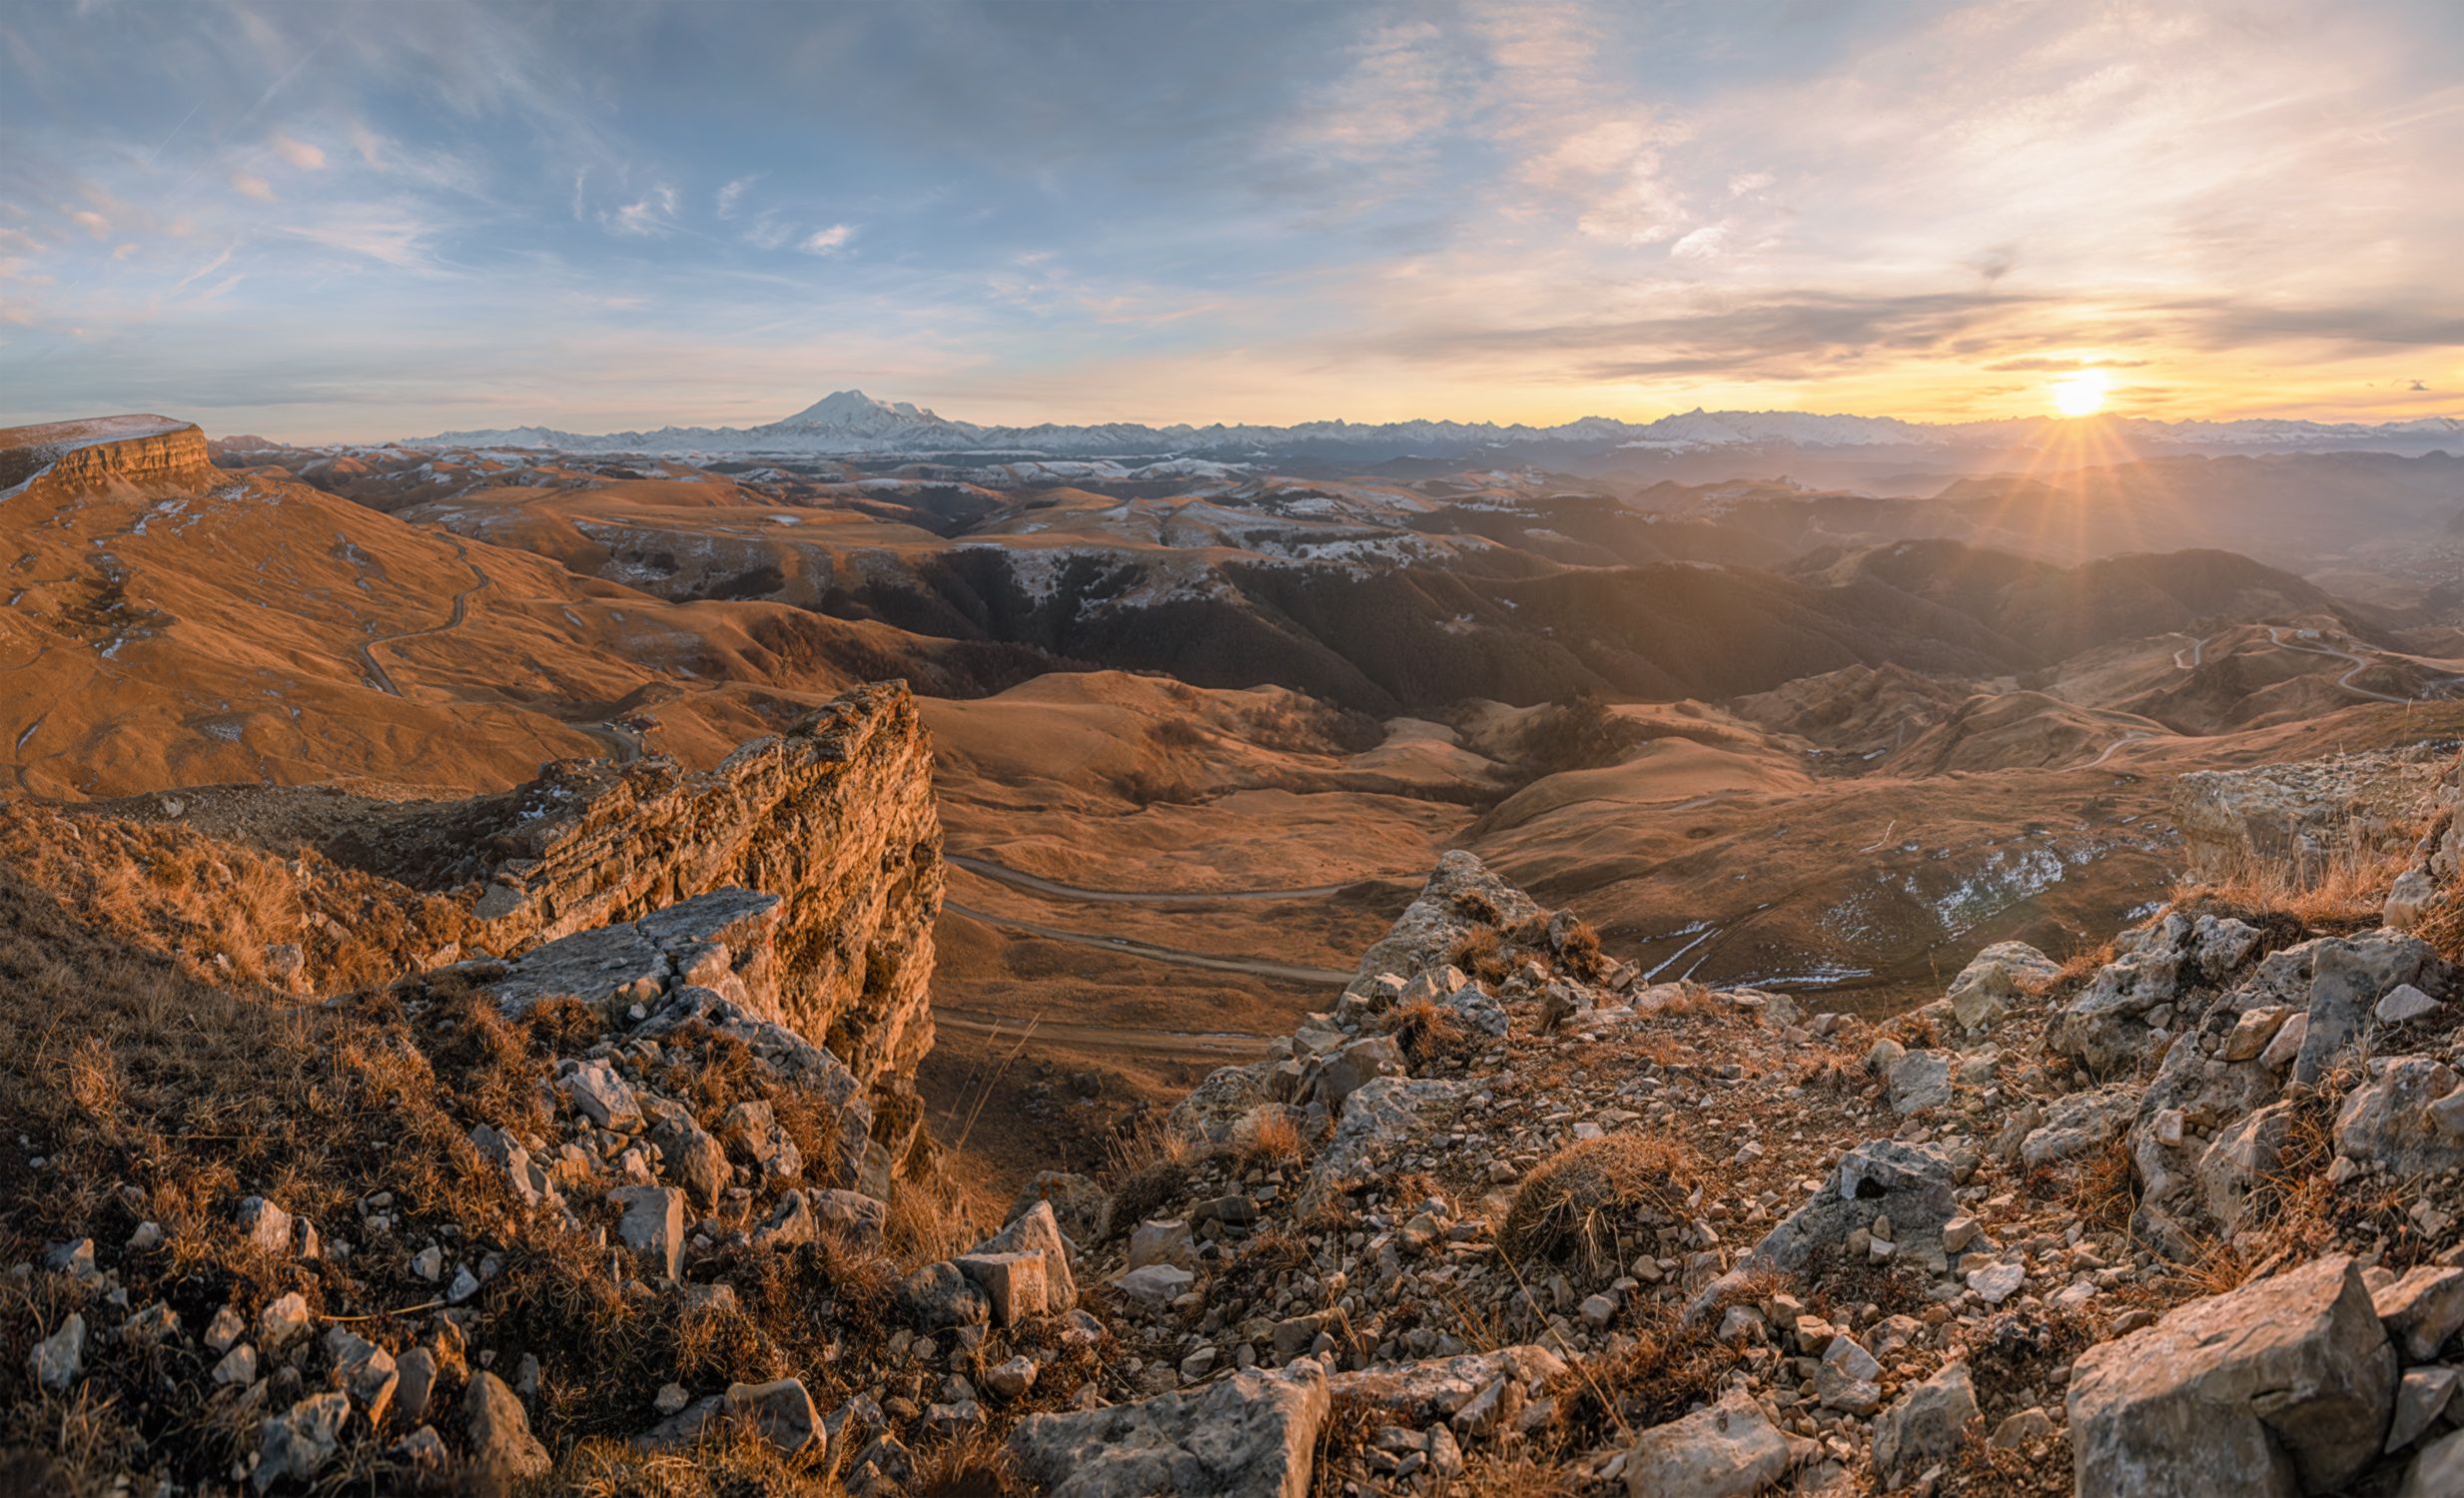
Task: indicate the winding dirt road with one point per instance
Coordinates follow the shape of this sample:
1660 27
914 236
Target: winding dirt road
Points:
2277 636
461 608
1170 1045
976 863
1127 947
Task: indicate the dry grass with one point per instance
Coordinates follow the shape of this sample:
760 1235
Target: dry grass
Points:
1580 1204
2104 1188
2343 891
216 908
1276 1141
1432 1037
1481 953
1150 1169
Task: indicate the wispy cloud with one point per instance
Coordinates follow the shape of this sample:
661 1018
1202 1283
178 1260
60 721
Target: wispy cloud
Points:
733 194
651 214
828 241
250 185
298 153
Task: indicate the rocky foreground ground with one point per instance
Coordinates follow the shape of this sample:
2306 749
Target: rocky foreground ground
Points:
2180 1216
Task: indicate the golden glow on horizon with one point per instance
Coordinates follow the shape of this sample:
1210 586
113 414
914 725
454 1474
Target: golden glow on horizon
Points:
2082 394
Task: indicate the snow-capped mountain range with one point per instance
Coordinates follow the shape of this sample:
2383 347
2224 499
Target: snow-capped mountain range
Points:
852 424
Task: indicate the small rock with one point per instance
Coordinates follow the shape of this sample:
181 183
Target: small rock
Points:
1924 1425
2020 1428
1729 1450
56 1360
781 1410
299 1444
502 1444
2420 1397
282 1322
1012 1378
2404 1003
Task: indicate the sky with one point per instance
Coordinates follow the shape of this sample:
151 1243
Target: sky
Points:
326 221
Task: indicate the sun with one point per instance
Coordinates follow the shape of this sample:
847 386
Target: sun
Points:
2081 394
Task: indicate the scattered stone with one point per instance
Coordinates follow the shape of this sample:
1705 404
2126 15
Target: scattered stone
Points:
602 1095
283 1321
2422 1309
1014 1284
2020 1428
2404 1003
652 1226
299 1443
57 1359
2420 1397
1011 1379
266 1227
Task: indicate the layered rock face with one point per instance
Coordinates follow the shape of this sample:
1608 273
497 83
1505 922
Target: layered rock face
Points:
2308 812
834 817
122 450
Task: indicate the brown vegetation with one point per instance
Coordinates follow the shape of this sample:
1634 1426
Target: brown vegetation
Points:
1588 1203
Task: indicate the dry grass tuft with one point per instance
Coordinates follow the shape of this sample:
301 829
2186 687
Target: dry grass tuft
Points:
2105 1190
1481 953
1432 1036
1276 1141
1150 1170
1580 1203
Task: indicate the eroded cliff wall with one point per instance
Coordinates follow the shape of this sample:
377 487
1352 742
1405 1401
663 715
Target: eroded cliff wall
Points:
835 816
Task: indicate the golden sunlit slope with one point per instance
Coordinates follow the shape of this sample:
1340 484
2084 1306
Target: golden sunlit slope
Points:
167 623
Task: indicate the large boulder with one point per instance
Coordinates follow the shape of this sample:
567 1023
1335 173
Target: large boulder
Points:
1923 1425
2389 1120
1731 1450
2348 978
1996 980
2280 1387
1912 1185
1253 1434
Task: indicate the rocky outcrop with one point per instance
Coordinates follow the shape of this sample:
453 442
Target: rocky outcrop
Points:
834 817
106 449
2308 812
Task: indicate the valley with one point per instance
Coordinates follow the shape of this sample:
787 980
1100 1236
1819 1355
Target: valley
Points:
1198 727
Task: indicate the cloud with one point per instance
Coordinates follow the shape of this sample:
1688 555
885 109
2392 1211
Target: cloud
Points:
828 241
249 185
731 195
1707 242
91 221
298 153
651 215
392 235
769 232
200 273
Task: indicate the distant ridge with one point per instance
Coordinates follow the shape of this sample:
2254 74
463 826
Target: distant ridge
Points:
850 423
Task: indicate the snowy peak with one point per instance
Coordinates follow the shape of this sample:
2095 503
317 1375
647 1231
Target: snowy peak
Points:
854 411
853 423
